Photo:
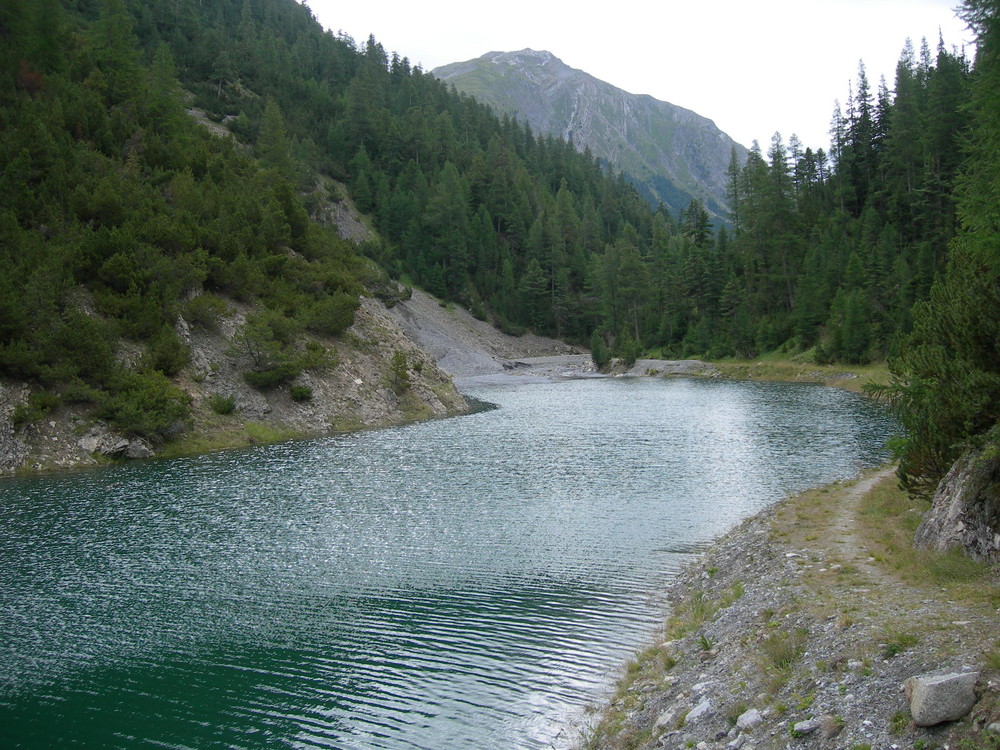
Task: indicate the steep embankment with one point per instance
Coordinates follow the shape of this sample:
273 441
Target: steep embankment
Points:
798 629
464 346
356 388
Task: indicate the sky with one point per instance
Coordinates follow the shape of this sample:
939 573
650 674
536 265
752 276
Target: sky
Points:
754 68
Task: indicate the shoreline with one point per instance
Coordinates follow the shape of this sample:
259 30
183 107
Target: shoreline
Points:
55 445
794 630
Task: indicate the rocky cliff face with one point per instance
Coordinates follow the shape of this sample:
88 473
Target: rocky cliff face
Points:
671 153
966 508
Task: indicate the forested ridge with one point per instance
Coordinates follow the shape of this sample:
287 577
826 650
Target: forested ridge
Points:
118 212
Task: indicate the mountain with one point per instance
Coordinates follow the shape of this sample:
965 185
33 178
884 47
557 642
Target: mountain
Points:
671 154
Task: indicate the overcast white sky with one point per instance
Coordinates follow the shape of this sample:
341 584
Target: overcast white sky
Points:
752 67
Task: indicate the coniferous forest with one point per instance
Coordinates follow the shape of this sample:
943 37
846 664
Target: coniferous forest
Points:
119 212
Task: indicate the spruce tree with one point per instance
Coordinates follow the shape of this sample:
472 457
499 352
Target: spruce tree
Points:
946 382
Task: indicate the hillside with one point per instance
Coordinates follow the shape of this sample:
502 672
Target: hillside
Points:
672 154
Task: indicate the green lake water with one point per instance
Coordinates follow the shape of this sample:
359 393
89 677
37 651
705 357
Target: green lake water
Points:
464 583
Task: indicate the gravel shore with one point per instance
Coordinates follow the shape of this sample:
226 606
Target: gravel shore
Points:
789 633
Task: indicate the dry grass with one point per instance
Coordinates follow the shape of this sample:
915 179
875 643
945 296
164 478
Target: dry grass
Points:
888 519
798 369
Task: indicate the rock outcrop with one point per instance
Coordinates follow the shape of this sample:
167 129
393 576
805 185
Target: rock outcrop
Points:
966 508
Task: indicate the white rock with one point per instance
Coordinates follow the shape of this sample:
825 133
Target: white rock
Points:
700 711
666 718
749 719
806 727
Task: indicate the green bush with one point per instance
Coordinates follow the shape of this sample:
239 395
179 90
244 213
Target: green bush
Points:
146 404
399 378
205 311
273 376
599 351
301 393
333 314
222 404
166 352
37 406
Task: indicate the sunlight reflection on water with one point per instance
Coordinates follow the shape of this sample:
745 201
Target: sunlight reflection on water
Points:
471 582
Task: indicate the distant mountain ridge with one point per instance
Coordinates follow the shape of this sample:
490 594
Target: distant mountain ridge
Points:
672 154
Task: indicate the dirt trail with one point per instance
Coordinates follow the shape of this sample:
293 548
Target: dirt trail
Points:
796 615
843 538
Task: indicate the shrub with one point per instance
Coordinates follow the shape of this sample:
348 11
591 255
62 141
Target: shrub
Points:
599 351
166 352
205 311
37 406
222 404
301 393
145 404
333 314
399 378
272 377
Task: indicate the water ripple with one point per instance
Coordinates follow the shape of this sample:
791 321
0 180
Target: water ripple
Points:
463 583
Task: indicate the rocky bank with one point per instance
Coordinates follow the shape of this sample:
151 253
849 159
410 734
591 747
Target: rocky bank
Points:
354 391
794 631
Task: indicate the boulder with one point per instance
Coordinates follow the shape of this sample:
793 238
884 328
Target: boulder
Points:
702 710
966 508
112 445
138 448
938 698
749 719
802 728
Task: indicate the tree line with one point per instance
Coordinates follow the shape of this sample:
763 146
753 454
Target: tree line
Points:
118 211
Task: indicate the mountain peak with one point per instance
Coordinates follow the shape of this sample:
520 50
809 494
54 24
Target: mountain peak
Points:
540 57
671 154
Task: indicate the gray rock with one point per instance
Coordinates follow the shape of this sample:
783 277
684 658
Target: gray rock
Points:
749 719
806 727
938 698
665 718
138 449
113 446
700 711
89 443
737 743
963 513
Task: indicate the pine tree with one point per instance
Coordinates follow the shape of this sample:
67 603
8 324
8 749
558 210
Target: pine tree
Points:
946 381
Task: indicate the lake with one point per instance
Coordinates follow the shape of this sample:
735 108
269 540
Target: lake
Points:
473 582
